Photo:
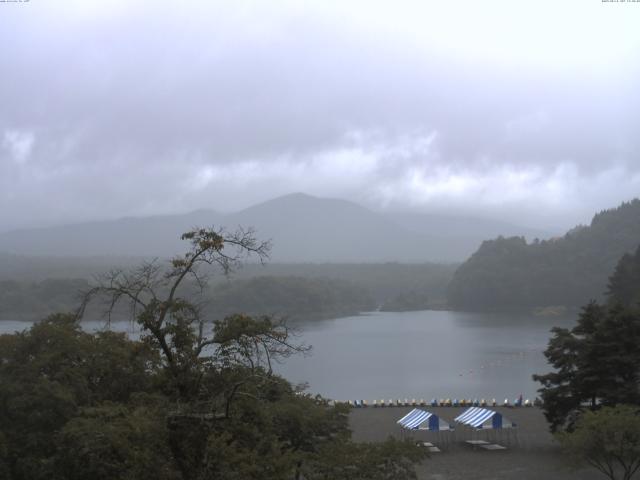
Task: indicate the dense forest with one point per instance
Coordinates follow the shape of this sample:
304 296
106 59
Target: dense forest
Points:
291 297
511 273
26 300
301 291
287 296
384 281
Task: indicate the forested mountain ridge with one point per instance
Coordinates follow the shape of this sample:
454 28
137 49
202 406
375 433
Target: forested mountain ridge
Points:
511 273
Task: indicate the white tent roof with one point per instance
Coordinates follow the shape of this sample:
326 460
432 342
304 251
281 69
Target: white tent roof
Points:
477 417
418 419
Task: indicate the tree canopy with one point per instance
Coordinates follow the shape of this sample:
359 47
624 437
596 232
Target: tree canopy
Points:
624 284
508 273
608 440
190 399
597 362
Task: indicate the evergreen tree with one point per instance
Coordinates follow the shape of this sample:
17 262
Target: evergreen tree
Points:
508 273
624 284
597 363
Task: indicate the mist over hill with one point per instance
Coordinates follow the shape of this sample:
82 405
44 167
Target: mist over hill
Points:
303 229
570 270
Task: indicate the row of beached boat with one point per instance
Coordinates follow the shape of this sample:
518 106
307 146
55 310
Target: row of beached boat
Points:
519 402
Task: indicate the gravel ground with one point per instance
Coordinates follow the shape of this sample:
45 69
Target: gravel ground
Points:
531 453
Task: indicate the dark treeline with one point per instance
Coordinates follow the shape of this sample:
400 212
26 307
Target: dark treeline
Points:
510 273
28 300
384 281
290 297
286 296
306 291
410 301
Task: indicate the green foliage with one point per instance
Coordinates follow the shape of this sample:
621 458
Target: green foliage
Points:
390 460
49 374
190 400
124 441
509 273
78 405
607 439
596 363
624 284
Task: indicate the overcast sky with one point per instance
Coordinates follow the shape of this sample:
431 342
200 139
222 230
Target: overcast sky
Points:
527 111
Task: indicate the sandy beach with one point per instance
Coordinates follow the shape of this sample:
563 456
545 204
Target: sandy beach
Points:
530 454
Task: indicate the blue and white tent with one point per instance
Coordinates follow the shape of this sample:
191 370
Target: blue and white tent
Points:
418 419
482 418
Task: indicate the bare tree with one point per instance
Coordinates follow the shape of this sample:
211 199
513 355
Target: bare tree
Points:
207 371
153 296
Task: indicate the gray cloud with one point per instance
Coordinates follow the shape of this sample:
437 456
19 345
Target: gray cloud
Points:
154 107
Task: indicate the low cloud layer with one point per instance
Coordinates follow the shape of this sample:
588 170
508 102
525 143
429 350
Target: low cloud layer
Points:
134 108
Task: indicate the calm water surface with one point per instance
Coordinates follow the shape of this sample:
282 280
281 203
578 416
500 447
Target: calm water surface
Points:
413 354
424 355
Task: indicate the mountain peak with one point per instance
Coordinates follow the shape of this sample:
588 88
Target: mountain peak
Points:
298 200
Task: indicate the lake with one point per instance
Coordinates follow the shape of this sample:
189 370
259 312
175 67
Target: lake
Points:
422 354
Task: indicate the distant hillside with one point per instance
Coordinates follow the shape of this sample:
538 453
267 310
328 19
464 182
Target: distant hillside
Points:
281 296
303 229
309 229
36 300
624 284
290 297
125 237
31 291
511 273
37 268
383 281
